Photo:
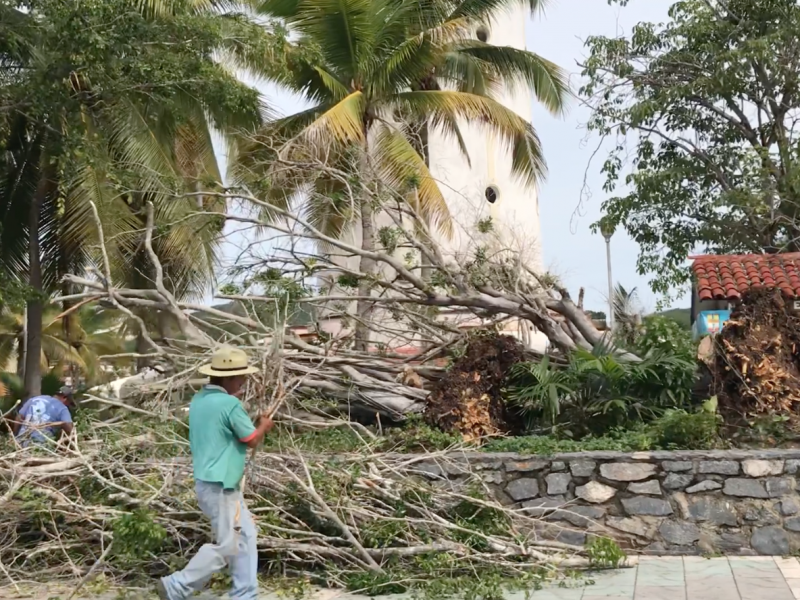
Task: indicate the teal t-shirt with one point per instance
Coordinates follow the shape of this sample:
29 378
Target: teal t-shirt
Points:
217 421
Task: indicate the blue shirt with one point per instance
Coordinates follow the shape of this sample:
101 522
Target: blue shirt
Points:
37 412
217 426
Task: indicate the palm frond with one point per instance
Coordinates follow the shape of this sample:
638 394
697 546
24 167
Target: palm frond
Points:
402 167
513 68
341 123
514 131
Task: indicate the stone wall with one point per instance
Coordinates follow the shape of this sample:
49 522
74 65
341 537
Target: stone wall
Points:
687 502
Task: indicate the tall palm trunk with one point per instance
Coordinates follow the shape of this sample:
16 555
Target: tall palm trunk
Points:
366 265
33 341
424 151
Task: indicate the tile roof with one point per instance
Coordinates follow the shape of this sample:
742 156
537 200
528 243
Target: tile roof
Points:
727 277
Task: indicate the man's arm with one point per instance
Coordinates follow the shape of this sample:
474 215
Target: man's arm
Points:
66 421
19 419
254 439
243 427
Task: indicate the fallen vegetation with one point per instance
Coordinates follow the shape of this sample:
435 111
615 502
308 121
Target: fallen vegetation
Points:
119 501
756 361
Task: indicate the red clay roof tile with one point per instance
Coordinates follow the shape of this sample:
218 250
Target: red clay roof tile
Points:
727 277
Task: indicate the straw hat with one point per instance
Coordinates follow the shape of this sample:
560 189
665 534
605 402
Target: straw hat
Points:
228 362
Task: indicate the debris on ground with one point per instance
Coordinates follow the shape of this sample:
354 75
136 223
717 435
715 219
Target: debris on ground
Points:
757 360
468 399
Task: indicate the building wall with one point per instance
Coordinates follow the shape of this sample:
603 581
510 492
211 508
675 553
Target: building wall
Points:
516 212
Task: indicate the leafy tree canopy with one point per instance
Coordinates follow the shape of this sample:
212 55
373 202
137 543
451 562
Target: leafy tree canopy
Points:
705 108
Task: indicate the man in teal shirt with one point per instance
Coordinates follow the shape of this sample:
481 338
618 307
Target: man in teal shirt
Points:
220 432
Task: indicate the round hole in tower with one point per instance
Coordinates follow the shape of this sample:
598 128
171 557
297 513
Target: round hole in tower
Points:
491 194
482 33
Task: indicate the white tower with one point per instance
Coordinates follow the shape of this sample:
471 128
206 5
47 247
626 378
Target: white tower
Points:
485 187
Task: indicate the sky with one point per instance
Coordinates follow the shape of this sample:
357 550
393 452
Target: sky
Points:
571 251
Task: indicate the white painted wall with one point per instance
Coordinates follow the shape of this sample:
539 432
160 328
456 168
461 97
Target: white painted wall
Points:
515 214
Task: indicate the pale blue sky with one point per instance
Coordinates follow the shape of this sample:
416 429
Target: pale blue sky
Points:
570 250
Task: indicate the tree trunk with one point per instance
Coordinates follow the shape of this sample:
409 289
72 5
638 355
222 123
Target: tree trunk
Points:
33 342
367 268
424 150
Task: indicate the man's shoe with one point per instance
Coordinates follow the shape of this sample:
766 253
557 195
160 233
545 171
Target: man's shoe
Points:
161 590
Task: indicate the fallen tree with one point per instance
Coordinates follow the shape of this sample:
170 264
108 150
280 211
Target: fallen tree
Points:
421 298
118 500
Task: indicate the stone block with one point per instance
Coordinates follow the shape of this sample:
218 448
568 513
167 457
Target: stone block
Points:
525 466
495 477
627 471
542 506
581 516
780 486
595 492
558 483
792 524
762 468
745 488
644 505
761 516
582 468
770 541
633 525
558 466
677 481
679 533
706 509
523 489
789 507
792 466
720 467
431 470
704 486
652 488
677 465
572 537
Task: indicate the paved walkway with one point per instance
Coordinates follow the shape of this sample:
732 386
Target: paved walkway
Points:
691 578
649 578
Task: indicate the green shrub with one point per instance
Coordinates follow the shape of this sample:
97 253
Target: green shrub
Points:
604 553
665 335
417 436
678 429
598 391
545 445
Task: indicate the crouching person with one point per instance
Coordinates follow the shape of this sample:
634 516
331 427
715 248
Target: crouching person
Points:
220 433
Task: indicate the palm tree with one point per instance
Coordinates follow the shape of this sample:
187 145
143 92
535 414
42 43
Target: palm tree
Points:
371 67
54 348
127 93
627 315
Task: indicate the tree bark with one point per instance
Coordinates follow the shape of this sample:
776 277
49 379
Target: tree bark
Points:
367 268
33 342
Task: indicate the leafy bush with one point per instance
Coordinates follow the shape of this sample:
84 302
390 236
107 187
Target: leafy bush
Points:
598 391
679 429
674 430
665 335
604 553
545 445
418 436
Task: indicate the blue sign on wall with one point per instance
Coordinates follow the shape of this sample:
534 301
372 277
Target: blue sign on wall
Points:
710 322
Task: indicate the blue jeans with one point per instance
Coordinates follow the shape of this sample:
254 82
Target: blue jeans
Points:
233 548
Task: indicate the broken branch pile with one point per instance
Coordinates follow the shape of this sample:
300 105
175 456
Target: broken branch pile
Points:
756 367
469 398
120 501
